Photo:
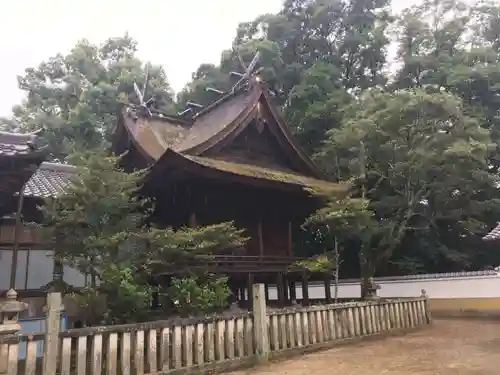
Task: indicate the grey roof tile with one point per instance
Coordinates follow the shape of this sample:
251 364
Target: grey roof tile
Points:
50 180
13 144
494 235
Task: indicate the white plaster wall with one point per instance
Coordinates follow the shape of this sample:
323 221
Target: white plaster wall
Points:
435 286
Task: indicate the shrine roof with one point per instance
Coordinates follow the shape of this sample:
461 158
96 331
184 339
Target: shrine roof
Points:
154 134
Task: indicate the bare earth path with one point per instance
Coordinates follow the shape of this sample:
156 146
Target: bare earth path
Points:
447 348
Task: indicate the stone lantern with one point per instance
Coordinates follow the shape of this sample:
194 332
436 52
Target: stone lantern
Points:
371 289
9 313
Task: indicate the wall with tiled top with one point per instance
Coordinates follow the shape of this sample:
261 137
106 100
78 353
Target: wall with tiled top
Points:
478 284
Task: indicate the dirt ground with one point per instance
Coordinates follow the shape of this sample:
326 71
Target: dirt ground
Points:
447 348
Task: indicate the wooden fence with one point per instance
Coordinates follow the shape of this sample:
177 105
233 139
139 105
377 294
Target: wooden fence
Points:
211 343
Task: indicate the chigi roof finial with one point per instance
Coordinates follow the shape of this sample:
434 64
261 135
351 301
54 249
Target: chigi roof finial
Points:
141 95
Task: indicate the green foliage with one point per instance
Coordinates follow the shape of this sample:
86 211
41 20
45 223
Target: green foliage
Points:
77 97
199 295
100 227
419 141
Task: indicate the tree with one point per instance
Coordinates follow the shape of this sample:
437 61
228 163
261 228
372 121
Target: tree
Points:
315 55
101 228
345 221
423 164
76 97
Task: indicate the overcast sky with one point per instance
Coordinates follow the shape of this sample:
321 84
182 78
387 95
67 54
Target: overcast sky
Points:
178 34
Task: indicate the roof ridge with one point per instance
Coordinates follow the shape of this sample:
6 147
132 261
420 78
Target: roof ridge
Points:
58 167
216 103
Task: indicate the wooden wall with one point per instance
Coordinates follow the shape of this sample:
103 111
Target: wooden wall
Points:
259 211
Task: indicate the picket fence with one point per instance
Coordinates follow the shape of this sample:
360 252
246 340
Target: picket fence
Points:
211 343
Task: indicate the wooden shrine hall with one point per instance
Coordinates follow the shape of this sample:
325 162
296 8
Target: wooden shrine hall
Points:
233 160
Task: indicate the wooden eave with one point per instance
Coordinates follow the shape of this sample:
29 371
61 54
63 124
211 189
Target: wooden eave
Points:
240 173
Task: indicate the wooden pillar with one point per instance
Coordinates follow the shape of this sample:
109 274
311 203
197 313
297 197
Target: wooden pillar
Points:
290 242
192 220
250 288
260 238
241 295
286 289
18 232
328 290
305 289
280 288
293 293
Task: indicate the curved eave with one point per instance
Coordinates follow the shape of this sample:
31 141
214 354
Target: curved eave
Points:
127 123
242 173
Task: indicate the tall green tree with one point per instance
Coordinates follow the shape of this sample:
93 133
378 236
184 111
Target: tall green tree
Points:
423 164
76 97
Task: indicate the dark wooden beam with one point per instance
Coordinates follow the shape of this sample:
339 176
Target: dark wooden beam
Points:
250 292
328 290
260 237
280 289
293 293
305 289
289 240
192 220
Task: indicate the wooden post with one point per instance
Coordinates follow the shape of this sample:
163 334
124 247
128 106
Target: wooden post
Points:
293 293
192 220
52 328
241 295
305 289
18 229
286 289
328 290
280 289
290 241
260 238
260 324
250 286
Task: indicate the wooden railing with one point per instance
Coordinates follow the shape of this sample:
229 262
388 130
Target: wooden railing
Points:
238 263
210 343
27 235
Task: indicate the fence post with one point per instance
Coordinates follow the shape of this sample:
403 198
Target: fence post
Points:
52 328
260 322
428 317
9 324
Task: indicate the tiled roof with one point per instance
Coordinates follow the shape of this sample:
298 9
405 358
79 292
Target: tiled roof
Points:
494 235
13 144
49 180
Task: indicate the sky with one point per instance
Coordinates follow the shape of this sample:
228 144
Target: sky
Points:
178 34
